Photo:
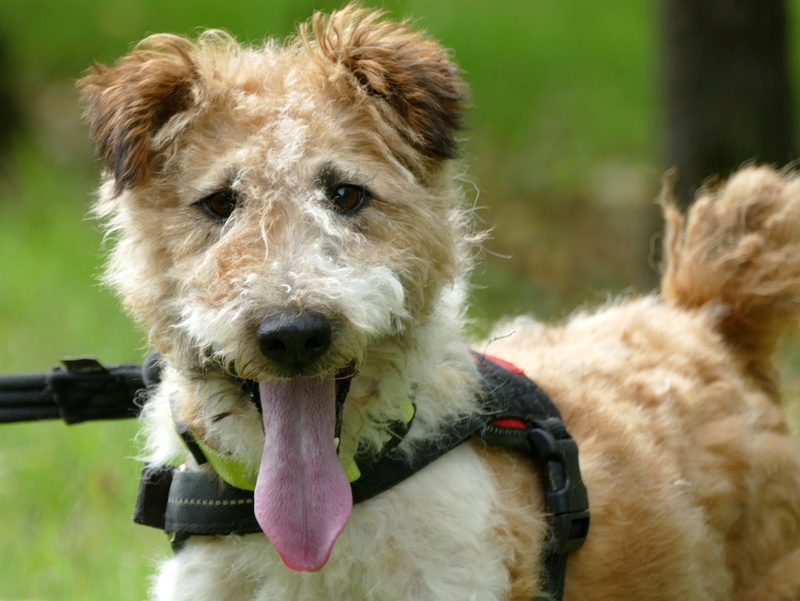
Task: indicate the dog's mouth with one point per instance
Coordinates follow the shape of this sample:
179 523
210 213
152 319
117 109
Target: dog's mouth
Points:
303 498
342 381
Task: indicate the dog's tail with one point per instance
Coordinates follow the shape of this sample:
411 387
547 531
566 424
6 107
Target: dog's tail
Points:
736 255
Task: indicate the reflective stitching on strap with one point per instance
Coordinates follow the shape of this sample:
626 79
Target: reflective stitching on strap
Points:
208 502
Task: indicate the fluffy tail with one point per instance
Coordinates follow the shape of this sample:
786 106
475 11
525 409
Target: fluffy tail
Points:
736 254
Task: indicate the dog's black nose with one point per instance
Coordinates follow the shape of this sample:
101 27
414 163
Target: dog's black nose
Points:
294 341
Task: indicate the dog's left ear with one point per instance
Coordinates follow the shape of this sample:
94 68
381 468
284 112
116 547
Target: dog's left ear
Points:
410 72
129 103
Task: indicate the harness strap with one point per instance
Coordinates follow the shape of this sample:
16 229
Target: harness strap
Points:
528 421
518 415
187 504
395 466
566 501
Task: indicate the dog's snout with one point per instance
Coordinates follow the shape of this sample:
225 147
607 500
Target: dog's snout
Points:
295 341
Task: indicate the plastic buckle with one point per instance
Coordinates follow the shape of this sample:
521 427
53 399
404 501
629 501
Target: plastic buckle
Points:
566 499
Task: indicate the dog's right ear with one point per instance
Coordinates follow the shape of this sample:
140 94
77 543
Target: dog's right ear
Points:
129 103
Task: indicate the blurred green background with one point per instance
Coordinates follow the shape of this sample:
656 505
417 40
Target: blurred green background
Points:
563 155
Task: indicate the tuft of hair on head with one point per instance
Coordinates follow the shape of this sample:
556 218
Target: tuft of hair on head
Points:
127 104
411 73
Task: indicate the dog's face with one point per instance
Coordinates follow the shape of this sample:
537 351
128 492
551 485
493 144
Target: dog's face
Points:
250 186
280 212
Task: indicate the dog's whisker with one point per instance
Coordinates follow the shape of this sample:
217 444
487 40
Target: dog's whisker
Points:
220 416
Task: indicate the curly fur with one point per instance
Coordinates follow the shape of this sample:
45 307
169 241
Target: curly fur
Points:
693 476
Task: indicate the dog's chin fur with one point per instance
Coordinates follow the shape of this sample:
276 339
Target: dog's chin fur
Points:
692 474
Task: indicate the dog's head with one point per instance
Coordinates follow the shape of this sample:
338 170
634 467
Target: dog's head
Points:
248 186
279 211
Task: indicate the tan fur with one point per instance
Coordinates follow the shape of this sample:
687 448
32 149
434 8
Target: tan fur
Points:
692 474
673 406
522 526
737 253
130 103
414 75
680 454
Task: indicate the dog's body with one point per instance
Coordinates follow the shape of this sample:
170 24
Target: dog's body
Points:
288 214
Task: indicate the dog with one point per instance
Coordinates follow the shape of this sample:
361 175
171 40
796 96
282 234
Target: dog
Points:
289 216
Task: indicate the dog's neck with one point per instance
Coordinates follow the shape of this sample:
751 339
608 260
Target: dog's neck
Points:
429 364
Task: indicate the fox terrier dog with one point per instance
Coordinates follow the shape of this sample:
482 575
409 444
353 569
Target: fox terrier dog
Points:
288 228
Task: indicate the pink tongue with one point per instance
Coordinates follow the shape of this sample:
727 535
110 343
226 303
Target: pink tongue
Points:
302 497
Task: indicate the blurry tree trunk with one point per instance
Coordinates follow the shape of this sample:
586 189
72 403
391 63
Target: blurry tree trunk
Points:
726 87
10 118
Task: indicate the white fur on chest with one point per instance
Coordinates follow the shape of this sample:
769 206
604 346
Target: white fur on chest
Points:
432 537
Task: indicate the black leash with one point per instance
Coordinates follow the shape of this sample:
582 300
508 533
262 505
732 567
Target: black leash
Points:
82 390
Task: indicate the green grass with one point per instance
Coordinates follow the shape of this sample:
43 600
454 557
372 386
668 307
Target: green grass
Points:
67 492
67 499
563 144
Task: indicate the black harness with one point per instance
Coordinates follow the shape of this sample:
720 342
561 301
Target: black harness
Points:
516 414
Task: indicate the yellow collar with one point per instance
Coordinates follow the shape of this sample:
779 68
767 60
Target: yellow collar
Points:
241 475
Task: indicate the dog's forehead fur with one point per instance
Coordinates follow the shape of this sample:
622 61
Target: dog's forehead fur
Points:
259 115
399 83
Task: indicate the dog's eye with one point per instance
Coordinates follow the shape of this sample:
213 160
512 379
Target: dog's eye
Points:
348 199
220 204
